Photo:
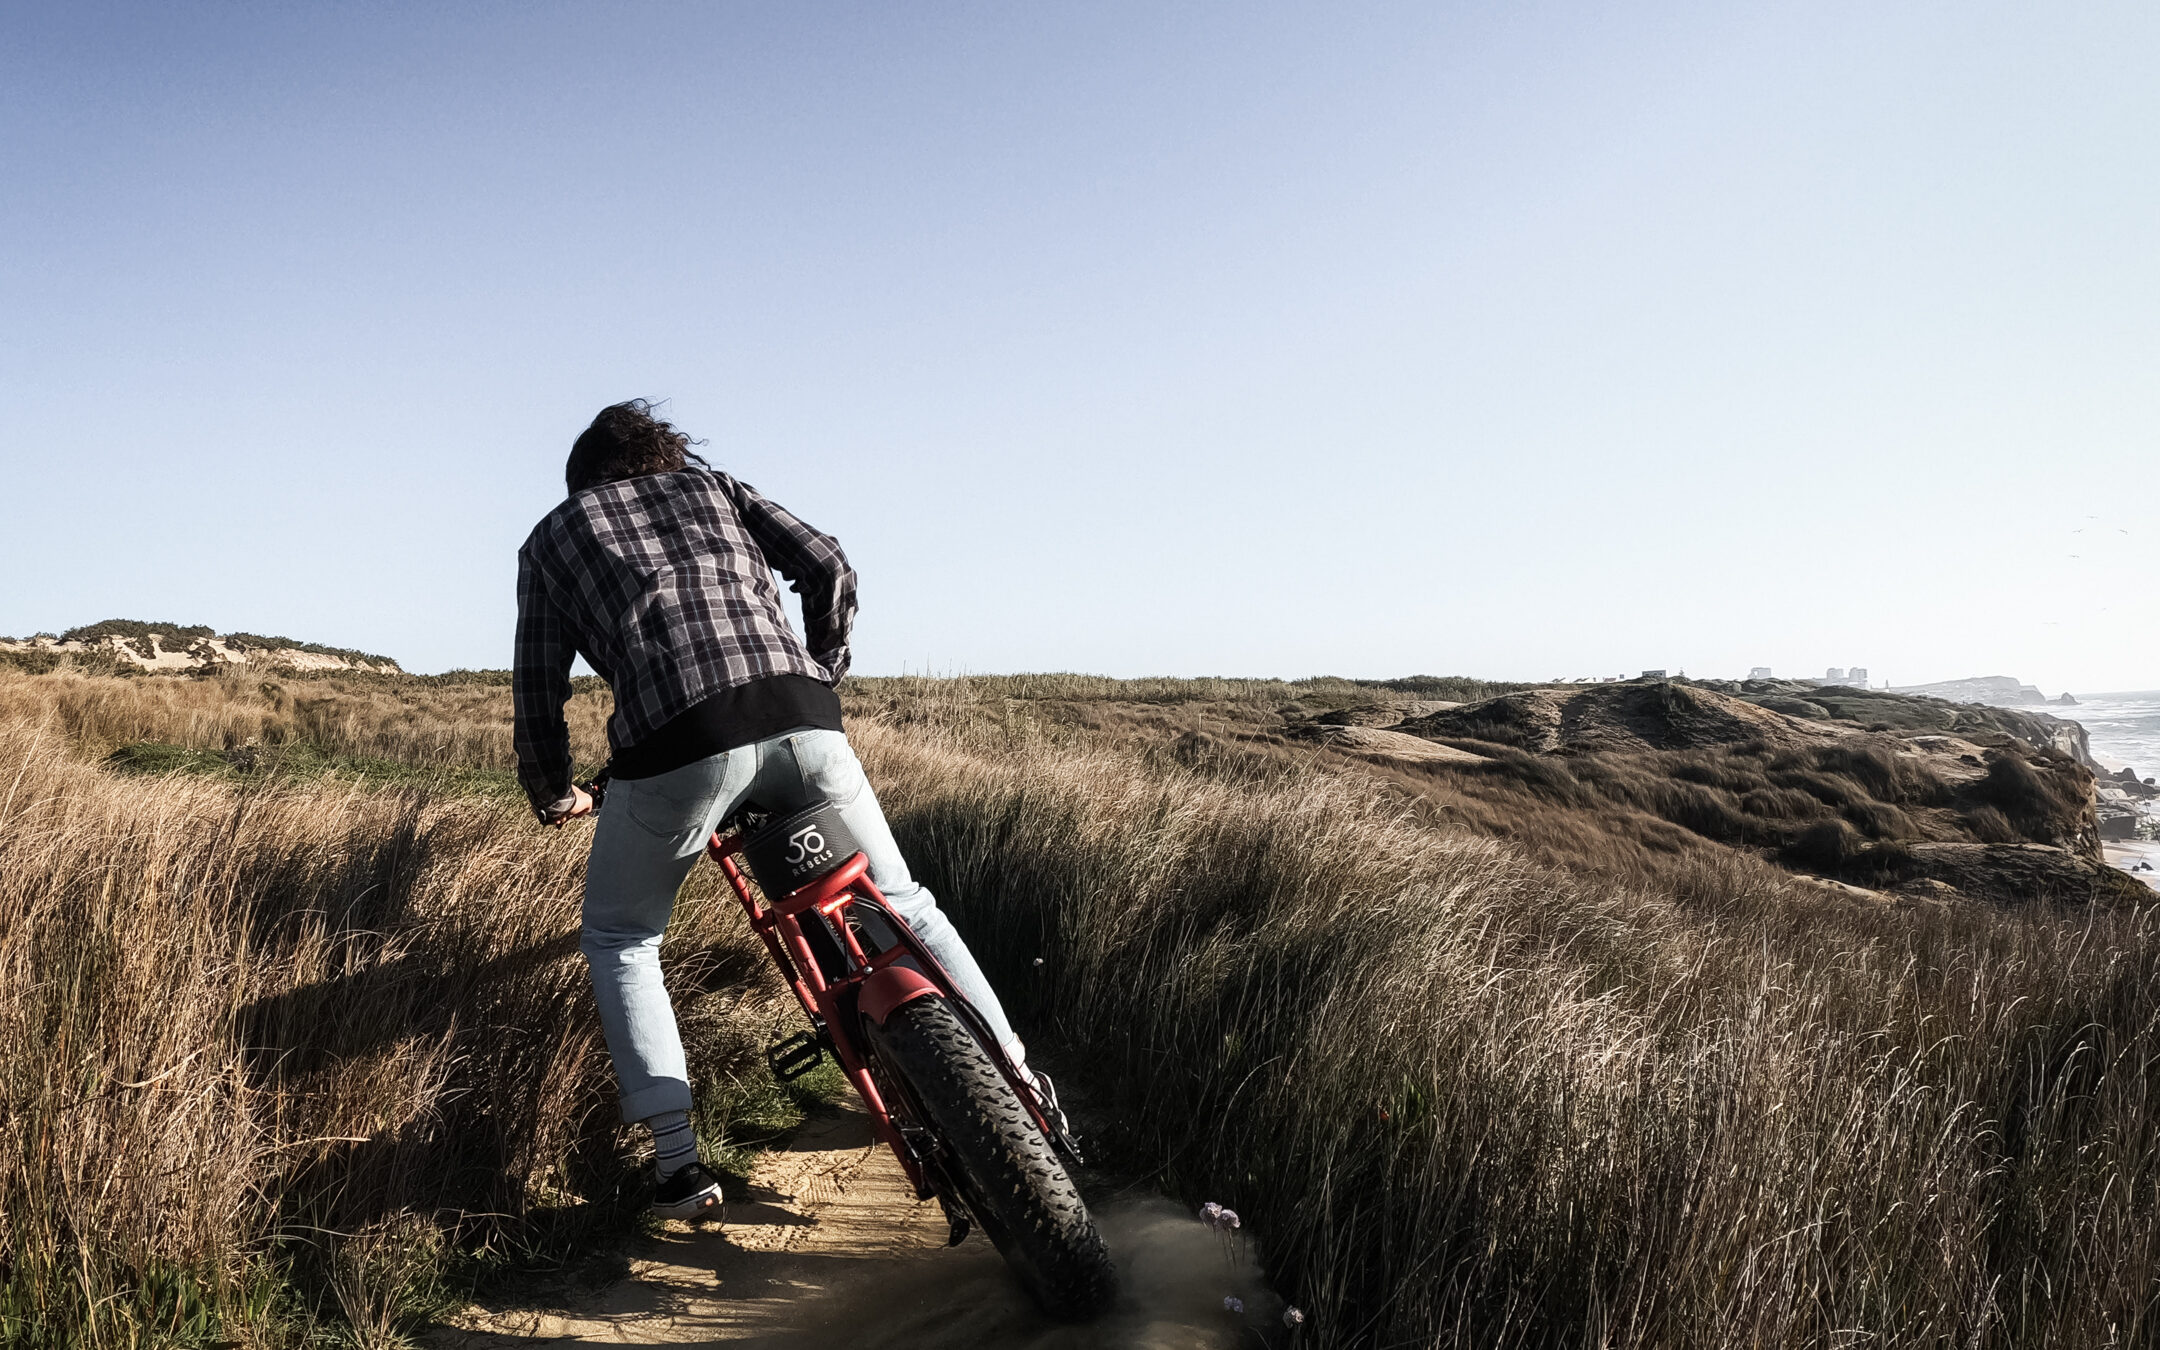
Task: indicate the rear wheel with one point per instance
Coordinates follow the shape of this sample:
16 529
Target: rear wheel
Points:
1014 1183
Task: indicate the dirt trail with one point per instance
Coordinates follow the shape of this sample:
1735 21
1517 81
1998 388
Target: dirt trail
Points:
834 1250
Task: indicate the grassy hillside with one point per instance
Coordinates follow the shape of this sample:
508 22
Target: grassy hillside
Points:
285 1054
1466 1098
1497 1052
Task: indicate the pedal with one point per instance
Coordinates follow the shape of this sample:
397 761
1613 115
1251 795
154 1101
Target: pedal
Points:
1068 1143
956 1220
797 1055
1062 1137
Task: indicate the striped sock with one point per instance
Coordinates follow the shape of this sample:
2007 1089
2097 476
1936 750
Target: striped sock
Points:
674 1142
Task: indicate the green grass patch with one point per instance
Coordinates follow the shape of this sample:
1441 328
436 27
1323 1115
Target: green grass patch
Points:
740 1118
101 1303
306 761
158 757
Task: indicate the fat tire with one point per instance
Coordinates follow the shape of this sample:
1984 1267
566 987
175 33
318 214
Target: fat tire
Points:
1037 1219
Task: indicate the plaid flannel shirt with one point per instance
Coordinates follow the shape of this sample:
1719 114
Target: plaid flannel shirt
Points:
664 583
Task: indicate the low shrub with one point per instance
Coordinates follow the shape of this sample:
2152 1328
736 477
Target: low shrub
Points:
257 642
1879 820
133 630
1548 776
2048 807
1710 812
1833 792
1827 846
1782 804
1989 825
45 661
1891 860
1869 765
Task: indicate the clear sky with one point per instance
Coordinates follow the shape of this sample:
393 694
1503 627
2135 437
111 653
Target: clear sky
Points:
1516 340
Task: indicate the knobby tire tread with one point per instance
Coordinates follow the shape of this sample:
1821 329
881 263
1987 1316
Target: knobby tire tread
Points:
1047 1237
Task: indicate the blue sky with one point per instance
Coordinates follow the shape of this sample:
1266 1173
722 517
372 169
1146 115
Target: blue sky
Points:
1519 341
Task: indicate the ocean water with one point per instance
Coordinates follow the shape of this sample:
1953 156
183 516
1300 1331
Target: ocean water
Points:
2124 728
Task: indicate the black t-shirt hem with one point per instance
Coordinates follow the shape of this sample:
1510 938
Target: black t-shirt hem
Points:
739 715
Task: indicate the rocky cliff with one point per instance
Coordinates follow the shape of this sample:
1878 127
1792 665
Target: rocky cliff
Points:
1913 798
1894 710
2004 691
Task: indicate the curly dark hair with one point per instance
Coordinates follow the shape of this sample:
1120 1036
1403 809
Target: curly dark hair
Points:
624 441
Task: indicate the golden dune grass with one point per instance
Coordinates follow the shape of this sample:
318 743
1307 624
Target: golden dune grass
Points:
242 1028
417 721
1468 1100
1460 1096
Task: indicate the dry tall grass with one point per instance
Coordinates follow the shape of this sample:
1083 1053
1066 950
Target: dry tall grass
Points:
419 721
1467 1100
1462 1097
261 1045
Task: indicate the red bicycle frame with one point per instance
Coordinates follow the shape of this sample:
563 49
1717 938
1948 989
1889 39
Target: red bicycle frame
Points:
871 985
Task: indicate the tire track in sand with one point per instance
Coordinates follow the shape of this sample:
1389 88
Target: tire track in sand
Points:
833 1250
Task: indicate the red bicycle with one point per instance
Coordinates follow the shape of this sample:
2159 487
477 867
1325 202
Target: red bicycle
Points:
967 1126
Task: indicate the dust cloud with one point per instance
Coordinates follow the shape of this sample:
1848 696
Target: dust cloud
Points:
1173 1272
831 1248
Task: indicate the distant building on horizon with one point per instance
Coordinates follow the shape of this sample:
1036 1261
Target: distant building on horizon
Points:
1760 673
1652 675
1835 673
1857 677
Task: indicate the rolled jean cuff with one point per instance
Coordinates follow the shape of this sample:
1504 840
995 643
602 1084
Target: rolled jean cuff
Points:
670 1094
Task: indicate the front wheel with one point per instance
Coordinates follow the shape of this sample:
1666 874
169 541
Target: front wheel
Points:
1019 1191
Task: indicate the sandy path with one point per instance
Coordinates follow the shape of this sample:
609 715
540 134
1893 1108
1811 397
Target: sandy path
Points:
834 1250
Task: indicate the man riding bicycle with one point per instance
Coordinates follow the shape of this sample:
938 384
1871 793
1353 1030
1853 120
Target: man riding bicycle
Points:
658 570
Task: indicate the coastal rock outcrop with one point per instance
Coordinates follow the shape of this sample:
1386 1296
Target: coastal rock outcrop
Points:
1636 716
2000 690
2126 781
2118 821
1916 797
2012 874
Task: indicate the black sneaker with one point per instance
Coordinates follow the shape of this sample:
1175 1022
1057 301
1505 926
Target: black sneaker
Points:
688 1194
1061 1132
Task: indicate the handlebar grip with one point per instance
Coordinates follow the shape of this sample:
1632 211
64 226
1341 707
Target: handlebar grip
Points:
597 788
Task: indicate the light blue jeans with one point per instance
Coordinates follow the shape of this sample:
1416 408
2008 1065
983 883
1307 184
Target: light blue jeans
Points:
649 837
